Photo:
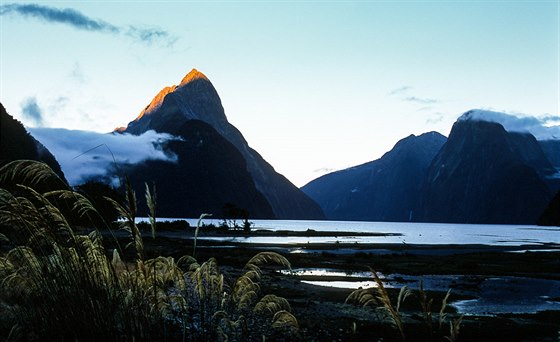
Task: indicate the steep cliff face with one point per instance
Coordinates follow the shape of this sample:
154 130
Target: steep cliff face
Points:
551 149
484 174
195 98
17 143
387 189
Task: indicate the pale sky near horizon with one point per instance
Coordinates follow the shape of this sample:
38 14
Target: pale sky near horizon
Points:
312 85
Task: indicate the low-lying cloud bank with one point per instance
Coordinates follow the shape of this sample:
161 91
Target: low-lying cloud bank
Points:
85 155
543 128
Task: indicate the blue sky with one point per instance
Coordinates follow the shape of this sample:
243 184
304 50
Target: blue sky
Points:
313 86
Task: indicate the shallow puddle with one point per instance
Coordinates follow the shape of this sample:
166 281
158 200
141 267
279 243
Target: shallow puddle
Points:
494 295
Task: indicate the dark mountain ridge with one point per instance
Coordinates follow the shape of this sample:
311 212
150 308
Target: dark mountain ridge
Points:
386 189
17 143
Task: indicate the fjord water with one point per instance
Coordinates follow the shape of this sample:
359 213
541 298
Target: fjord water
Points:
404 232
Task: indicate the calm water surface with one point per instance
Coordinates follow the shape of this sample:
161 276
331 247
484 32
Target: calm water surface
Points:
410 233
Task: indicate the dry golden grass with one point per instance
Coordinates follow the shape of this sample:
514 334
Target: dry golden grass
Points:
379 298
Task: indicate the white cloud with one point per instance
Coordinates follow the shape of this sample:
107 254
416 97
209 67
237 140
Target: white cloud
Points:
85 154
543 128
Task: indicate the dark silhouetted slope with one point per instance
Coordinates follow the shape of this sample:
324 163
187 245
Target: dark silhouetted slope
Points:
551 149
16 143
551 215
484 174
386 189
209 174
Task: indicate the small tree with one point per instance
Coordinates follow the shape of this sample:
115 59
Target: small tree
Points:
232 213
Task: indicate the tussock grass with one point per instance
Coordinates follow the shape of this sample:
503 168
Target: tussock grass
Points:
151 202
57 284
198 225
379 299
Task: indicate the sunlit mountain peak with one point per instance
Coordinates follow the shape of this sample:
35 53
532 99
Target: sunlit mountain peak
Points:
192 76
157 101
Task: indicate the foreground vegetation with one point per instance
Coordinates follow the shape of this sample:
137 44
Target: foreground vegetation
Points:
379 299
56 284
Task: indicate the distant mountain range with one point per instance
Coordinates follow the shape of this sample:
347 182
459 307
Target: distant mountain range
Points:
480 174
215 167
485 172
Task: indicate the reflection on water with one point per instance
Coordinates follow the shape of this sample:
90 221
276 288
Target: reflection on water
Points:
328 272
343 284
356 278
494 295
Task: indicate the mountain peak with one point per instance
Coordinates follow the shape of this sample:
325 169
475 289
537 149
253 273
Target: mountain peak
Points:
542 128
193 102
484 115
157 101
192 76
